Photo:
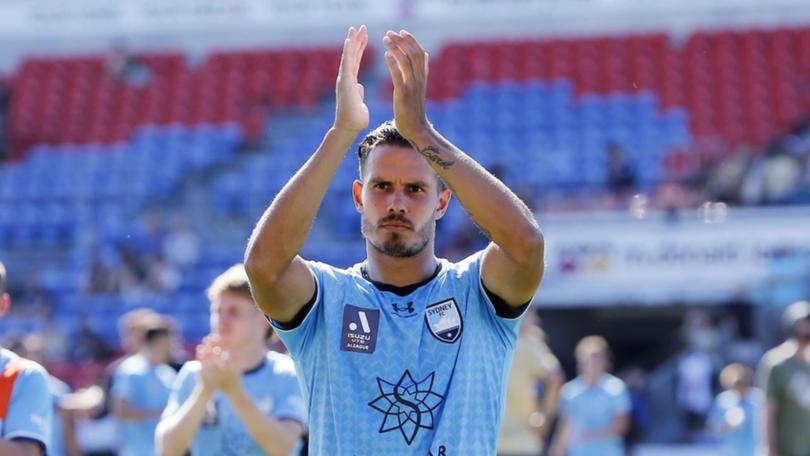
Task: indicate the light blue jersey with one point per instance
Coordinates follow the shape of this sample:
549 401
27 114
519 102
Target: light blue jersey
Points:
737 420
590 409
274 388
29 411
59 390
390 371
144 387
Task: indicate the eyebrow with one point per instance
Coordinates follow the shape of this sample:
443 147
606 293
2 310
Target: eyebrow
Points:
379 180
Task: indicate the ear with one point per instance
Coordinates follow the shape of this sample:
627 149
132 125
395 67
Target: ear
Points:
444 202
5 303
357 195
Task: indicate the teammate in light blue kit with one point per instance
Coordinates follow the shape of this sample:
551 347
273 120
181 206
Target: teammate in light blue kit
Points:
140 391
236 399
736 416
595 407
26 407
405 353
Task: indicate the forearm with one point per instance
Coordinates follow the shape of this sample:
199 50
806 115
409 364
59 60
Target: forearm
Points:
551 399
284 226
175 433
505 219
124 411
19 448
271 435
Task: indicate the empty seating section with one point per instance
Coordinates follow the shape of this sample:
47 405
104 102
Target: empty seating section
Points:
742 85
47 196
77 100
91 150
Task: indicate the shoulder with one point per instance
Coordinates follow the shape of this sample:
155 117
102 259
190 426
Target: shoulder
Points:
327 271
571 389
190 367
469 265
21 366
134 364
613 385
777 355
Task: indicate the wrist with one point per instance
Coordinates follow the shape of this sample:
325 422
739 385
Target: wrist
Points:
344 131
204 392
232 390
422 136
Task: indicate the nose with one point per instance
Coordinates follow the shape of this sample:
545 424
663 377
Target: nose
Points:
396 205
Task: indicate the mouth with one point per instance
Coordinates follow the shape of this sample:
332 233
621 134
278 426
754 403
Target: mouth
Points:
396 227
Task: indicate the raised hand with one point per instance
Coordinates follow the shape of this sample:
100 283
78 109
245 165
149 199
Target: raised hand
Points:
351 112
217 370
408 64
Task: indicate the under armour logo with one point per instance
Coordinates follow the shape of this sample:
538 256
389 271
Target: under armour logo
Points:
405 310
407 406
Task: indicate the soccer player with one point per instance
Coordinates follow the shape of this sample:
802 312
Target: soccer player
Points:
595 409
26 404
140 390
237 398
532 393
785 374
736 413
404 353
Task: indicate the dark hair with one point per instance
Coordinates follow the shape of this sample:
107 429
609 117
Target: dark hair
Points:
153 334
385 134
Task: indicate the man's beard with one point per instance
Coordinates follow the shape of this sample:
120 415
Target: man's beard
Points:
394 244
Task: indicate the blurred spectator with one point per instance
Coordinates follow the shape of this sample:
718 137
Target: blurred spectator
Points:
735 416
63 427
640 413
87 344
697 367
26 407
532 393
236 397
726 179
140 391
772 179
125 67
98 435
784 373
181 246
621 177
595 409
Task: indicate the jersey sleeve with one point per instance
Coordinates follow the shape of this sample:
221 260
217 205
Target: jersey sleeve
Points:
30 409
289 400
621 400
182 386
298 339
123 384
507 327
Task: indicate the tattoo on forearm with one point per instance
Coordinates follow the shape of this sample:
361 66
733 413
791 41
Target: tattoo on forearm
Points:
433 155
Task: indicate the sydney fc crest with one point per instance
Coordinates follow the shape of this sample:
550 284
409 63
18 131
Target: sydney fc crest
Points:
444 320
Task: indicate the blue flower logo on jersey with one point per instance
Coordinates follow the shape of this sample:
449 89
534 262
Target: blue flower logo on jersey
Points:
407 405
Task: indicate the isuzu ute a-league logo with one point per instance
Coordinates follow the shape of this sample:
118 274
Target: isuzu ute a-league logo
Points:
444 320
359 332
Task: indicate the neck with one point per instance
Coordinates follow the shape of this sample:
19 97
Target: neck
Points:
248 356
152 357
399 271
591 379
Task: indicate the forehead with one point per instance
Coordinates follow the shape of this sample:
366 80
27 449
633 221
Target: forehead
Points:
392 162
232 299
